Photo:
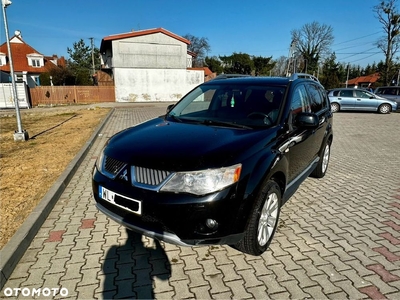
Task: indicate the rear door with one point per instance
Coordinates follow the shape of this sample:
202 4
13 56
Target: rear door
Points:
346 100
319 106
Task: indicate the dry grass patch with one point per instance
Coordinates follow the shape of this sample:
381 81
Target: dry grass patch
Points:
28 169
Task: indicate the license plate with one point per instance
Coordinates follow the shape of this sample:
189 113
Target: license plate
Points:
126 203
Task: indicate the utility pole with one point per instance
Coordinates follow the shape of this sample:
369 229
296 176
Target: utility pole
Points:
93 68
19 135
348 70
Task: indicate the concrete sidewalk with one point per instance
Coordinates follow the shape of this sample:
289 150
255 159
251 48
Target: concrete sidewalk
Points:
338 237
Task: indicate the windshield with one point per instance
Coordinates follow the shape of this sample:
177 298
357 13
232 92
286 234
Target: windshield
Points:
222 104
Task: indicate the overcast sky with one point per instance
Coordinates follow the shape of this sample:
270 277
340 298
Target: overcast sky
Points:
255 27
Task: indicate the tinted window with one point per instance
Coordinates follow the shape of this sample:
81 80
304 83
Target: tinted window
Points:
387 91
317 100
299 100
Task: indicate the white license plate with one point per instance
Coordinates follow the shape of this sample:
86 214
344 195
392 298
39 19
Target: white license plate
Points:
126 203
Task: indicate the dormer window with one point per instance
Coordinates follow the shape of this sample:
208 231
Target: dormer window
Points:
3 61
35 63
35 60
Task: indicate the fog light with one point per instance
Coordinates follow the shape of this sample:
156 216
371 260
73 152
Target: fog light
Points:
212 224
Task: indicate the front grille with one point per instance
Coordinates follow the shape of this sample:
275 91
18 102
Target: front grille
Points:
150 176
113 166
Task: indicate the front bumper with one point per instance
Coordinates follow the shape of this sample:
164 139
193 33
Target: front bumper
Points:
179 219
169 237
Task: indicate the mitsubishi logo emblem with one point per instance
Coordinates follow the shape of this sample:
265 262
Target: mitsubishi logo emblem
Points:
124 175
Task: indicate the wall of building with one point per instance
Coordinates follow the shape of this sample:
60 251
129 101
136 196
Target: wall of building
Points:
153 51
140 85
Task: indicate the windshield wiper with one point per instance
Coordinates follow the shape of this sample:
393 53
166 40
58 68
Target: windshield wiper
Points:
175 118
226 124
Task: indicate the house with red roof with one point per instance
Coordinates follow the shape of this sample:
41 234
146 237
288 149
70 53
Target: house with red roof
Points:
363 81
149 65
28 63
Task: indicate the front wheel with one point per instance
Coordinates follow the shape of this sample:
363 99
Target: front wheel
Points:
384 109
263 220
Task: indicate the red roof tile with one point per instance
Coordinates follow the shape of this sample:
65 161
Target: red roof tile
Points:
364 79
19 51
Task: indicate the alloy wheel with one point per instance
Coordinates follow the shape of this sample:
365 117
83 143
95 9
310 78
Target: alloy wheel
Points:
325 158
268 219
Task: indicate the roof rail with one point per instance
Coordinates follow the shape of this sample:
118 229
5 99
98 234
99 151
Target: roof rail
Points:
303 75
226 76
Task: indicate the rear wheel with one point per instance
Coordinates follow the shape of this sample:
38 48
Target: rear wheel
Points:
335 107
263 220
323 163
384 109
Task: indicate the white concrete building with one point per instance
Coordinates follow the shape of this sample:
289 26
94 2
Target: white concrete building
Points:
148 65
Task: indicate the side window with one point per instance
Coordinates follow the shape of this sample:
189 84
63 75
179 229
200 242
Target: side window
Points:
317 100
387 91
299 103
346 93
363 94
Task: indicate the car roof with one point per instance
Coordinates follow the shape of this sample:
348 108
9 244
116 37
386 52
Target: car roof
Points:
247 79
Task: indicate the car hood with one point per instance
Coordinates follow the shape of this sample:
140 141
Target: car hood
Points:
174 146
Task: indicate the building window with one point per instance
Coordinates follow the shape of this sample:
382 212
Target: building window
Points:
35 62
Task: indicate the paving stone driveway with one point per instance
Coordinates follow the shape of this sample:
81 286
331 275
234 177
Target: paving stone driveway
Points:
338 237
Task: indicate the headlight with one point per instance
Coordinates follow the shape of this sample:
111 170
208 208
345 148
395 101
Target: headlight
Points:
203 182
100 162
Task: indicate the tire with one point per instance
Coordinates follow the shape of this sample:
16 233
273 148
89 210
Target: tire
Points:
323 163
335 107
263 220
384 109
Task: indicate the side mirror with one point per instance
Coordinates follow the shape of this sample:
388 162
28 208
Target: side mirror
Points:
307 120
169 107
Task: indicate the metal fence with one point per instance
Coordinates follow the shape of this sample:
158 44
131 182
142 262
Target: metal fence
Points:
61 95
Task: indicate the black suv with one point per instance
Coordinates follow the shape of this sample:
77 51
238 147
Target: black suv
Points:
219 165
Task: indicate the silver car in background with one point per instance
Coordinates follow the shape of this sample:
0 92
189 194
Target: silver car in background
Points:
359 100
389 92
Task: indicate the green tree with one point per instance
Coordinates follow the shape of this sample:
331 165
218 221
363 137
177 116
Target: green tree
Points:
263 65
237 63
330 71
214 64
200 47
80 62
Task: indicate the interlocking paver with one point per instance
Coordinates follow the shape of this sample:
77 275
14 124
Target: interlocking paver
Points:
338 237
